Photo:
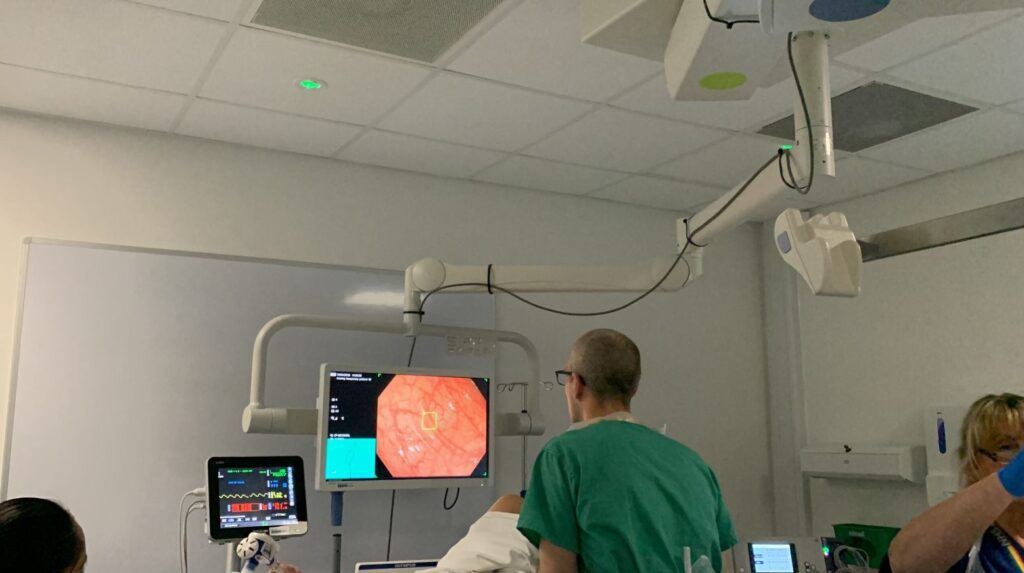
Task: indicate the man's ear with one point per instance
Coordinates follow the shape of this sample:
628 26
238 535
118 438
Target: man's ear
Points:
579 389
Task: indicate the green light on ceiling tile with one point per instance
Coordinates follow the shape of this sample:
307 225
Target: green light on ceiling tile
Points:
723 81
786 147
311 84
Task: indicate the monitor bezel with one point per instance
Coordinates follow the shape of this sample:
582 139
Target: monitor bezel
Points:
218 534
322 484
392 566
793 554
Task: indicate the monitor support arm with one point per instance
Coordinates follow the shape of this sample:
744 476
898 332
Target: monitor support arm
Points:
810 55
258 419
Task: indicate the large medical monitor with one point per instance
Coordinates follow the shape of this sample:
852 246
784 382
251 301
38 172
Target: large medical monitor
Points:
249 494
400 428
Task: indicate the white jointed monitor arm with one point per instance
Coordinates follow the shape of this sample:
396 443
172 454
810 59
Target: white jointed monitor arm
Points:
259 419
810 60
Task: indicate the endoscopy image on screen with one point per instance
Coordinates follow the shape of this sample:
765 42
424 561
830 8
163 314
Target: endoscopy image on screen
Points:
256 497
384 426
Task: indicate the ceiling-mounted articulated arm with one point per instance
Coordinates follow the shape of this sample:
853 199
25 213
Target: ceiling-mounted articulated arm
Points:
810 54
823 250
432 275
258 419
810 58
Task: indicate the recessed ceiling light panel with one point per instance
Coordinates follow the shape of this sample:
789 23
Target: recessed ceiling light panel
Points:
415 29
875 113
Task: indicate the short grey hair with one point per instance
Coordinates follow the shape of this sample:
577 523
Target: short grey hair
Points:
609 363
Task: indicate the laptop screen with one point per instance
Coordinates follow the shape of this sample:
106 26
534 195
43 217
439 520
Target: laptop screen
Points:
394 566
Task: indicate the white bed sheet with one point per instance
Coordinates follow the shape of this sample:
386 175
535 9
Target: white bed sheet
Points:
492 544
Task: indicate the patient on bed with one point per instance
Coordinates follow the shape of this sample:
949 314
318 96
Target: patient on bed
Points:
493 544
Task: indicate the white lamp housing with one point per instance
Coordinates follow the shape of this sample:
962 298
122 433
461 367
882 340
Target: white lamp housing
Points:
823 250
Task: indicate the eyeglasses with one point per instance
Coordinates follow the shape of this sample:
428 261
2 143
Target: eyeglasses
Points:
563 376
1003 455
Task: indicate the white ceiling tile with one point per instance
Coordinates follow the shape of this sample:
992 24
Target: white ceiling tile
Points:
116 41
261 69
765 106
224 122
919 38
477 112
726 163
219 9
549 175
415 154
94 100
624 141
538 45
975 137
986 67
660 193
857 176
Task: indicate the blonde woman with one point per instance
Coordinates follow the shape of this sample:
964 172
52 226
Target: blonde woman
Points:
980 529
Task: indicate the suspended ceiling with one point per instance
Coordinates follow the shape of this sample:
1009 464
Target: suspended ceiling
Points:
518 101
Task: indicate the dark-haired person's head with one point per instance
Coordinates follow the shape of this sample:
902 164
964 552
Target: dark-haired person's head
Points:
604 369
39 535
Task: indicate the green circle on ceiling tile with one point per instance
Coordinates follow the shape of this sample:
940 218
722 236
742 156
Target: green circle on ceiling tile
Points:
723 81
310 84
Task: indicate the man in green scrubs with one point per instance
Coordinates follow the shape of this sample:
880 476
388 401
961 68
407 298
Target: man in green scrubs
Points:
612 494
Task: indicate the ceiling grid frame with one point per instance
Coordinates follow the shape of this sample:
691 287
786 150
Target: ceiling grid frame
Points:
496 17
439 66
233 26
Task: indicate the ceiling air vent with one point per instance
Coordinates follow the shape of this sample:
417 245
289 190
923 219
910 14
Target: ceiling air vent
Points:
875 113
416 29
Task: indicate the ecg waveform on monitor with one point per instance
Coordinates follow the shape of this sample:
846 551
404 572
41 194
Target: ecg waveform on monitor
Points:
261 495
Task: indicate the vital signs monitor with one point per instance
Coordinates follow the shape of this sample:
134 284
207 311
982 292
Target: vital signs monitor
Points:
266 494
398 428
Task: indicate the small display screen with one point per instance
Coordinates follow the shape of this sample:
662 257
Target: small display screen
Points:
396 566
254 494
772 558
259 496
388 426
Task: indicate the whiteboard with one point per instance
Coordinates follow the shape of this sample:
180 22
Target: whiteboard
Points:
134 368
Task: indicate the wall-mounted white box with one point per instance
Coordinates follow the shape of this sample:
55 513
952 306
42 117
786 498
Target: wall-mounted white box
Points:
894 463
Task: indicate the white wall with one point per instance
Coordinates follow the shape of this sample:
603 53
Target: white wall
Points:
703 351
936 327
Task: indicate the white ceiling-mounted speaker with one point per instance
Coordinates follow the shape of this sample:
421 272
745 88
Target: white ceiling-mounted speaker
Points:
420 30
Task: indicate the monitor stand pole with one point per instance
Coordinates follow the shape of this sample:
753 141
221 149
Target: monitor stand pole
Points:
233 563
